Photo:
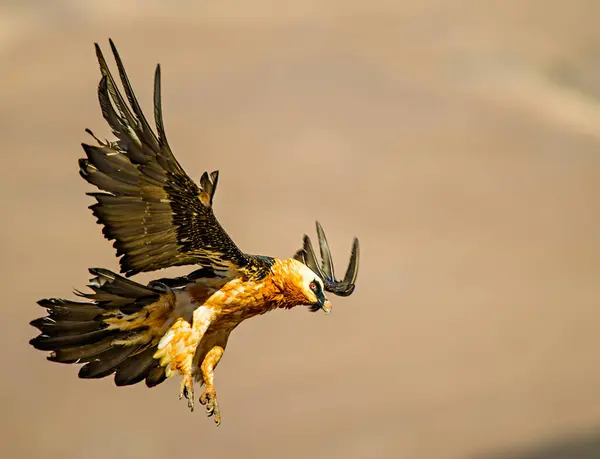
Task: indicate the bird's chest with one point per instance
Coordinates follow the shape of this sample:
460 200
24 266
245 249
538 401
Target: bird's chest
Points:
237 301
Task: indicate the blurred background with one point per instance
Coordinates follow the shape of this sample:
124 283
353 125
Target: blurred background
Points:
460 141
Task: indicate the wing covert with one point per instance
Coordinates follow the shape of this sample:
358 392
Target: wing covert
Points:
155 213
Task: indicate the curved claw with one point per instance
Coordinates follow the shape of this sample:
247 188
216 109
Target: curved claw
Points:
325 270
212 406
187 391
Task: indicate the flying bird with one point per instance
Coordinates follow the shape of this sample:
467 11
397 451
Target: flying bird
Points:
158 217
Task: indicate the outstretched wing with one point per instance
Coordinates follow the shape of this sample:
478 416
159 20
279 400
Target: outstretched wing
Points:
157 216
306 255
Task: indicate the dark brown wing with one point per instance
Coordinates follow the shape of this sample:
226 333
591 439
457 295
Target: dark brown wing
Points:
306 255
157 216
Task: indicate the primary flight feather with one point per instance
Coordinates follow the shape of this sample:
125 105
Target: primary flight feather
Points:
158 217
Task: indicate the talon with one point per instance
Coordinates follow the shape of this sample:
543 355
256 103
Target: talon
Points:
204 398
212 406
187 391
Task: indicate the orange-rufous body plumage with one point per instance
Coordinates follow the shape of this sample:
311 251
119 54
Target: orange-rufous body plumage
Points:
191 326
158 217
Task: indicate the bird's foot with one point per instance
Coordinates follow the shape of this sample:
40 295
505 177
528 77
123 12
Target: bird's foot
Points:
209 398
187 390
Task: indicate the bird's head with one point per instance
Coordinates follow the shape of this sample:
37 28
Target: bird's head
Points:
307 280
312 288
299 285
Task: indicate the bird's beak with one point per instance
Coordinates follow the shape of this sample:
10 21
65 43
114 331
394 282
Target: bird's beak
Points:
322 303
326 307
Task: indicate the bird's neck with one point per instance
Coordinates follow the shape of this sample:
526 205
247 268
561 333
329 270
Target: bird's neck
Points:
284 292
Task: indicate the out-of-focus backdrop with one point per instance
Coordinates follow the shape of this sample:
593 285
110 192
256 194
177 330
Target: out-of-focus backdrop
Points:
460 141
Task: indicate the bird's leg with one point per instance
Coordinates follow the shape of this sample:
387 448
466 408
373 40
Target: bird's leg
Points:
186 389
209 397
174 351
177 347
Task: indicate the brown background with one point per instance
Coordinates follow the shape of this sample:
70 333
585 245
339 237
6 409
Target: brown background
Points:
459 140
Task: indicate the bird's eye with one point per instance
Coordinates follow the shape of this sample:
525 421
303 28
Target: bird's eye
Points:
313 286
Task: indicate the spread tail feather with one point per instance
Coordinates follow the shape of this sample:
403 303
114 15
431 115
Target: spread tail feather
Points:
117 331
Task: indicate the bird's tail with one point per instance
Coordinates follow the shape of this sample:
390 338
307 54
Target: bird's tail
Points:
116 332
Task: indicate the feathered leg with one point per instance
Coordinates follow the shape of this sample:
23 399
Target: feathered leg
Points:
177 348
209 397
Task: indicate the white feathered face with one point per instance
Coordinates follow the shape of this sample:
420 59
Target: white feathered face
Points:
313 289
